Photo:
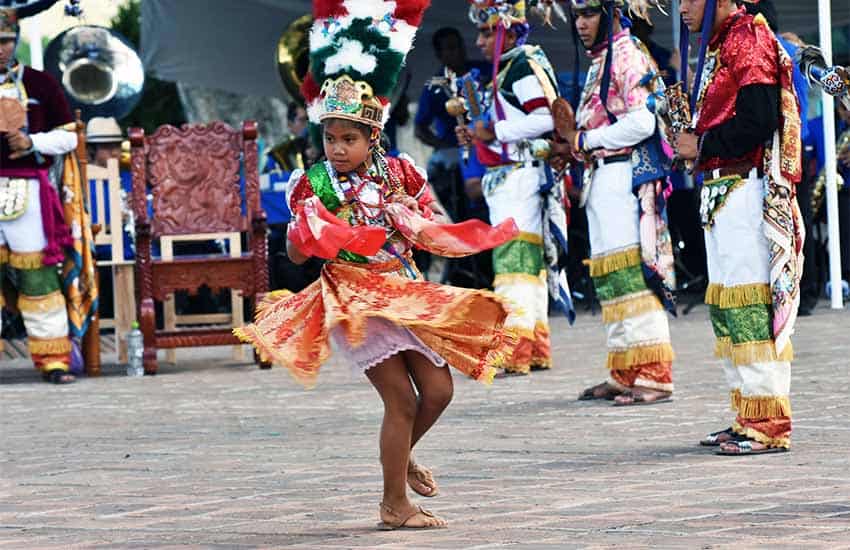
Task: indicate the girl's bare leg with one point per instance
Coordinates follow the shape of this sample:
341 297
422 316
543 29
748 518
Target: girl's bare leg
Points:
391 379
435 388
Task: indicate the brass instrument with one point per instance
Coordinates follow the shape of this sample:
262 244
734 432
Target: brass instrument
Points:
293 60
101 73
675 110
293 57
819 187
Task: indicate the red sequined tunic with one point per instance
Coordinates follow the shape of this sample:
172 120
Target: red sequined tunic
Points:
741 53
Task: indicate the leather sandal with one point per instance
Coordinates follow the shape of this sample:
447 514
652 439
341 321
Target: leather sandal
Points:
713 439
400 522
591 393
424 476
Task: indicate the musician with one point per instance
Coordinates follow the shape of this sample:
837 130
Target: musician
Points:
518 108
631 252
291 153
32 229
746 145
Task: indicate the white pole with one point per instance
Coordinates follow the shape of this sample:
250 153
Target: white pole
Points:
36 51
825 31
674 17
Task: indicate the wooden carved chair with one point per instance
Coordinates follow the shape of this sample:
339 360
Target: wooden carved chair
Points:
193 175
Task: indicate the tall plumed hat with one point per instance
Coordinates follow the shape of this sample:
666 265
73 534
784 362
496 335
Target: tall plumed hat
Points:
489 13
357 50
8 23
637 8
507 13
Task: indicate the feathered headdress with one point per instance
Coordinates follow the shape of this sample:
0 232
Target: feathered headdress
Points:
507 13
636 8
357 50
8 23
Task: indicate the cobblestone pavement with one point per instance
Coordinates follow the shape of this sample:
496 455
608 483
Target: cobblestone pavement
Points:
213 454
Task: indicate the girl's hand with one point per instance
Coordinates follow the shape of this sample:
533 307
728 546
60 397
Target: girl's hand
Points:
409 202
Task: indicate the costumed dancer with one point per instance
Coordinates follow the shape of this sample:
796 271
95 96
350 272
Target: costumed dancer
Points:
746 145
508 133
624 193
364 213
37 125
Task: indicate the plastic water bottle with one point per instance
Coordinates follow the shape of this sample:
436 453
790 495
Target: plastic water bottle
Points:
135 351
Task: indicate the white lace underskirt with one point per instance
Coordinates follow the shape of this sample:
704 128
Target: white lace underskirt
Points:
383 340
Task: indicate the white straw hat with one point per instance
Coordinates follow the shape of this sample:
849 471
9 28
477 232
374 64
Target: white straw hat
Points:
103 130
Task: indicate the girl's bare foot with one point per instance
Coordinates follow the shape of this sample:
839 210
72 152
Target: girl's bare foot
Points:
409 516
421 480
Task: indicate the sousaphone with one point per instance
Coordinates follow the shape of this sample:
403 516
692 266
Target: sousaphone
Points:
293 60
101 73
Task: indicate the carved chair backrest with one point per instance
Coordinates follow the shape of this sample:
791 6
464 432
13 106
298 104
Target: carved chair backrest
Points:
193 174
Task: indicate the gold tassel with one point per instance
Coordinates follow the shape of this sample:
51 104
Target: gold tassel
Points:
614 262
712 294
764 406
42 304
762 351
783 442
643 355
49 346
26 260
625 309
735 399
745 295
723 347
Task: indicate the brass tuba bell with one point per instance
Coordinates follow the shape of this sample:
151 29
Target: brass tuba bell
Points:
293 57
102 75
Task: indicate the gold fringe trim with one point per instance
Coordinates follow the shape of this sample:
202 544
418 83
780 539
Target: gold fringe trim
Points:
764 406
49 346
633 357
630 308
511 278
26 260
745 295
735 399
614 262
737 296
723 347
42 304
783 442
56 365
759 352
4 254
712 294
532 238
